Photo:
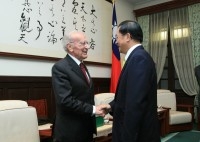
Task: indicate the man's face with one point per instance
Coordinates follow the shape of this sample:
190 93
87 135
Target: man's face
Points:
79 46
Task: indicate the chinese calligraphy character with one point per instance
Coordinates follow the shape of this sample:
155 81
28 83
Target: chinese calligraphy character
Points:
26 3
22 37
83 19
83 28
52 11
92 11
93 22
63 3
63 31
40 7
39 29
51 37
82 8
52 23
93 30
27 9
92 44
24 23
75 5
75 22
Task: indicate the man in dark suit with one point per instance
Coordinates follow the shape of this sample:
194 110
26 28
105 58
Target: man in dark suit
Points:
134 107
74 93
197 74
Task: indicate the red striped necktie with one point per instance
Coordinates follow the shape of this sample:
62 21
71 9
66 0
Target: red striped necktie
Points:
83 68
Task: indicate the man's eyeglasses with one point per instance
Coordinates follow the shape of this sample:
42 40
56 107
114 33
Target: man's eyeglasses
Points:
85 43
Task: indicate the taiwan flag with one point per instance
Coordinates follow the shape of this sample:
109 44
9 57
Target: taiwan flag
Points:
116 64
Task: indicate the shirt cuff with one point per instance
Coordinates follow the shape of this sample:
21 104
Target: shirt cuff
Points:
94 110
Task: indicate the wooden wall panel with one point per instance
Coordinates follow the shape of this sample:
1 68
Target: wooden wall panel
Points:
163 7
16 93
35 88
37 93
1 91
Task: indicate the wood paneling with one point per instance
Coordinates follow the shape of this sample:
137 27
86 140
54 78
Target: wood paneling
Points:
163 7
183 98
35 88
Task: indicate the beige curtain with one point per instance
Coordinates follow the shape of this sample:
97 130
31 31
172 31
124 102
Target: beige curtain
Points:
181 45
158 29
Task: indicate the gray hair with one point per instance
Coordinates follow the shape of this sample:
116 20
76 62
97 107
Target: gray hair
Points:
67 38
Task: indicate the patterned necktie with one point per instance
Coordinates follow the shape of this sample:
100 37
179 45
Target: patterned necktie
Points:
83 68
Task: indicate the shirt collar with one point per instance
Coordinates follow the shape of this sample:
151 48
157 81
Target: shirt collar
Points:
75 59
130 50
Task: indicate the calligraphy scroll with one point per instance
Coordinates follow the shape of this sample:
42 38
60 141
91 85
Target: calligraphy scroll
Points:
36 27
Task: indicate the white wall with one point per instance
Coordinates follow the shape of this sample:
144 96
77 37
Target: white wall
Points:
124 11
24 67
29 67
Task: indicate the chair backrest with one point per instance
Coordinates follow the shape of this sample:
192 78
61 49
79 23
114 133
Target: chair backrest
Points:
167 99
9 104
41 107
18 124
163 91
103 98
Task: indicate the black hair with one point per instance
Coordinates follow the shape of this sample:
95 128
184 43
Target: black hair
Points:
133 28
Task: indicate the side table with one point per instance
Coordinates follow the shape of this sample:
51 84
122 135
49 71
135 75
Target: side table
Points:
45 132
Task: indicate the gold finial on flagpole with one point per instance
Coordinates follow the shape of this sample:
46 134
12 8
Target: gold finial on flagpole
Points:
113 1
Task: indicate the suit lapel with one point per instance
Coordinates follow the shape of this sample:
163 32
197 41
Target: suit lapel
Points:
77 69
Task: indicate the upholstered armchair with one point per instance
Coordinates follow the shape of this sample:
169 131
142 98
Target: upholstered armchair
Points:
18 122
179 116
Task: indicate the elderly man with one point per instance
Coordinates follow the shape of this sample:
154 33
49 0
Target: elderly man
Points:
74 93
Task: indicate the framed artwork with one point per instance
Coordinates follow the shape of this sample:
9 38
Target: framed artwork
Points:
34 29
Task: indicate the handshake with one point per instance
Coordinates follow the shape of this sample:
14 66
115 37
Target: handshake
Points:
102 110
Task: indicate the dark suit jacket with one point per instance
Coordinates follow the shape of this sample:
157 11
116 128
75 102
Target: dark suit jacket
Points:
135 104
197 73
74 103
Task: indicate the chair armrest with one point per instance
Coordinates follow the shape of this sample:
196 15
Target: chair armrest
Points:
187 108
166 107
110 119
163 116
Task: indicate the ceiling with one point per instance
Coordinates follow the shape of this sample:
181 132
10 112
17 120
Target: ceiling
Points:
133 1
142 3
139 1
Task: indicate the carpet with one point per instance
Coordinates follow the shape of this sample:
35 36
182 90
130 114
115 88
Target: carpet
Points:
186 136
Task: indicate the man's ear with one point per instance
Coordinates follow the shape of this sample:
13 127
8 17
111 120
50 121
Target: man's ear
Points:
70 47
128 37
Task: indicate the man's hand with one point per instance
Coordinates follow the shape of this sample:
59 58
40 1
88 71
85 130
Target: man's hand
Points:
103 109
